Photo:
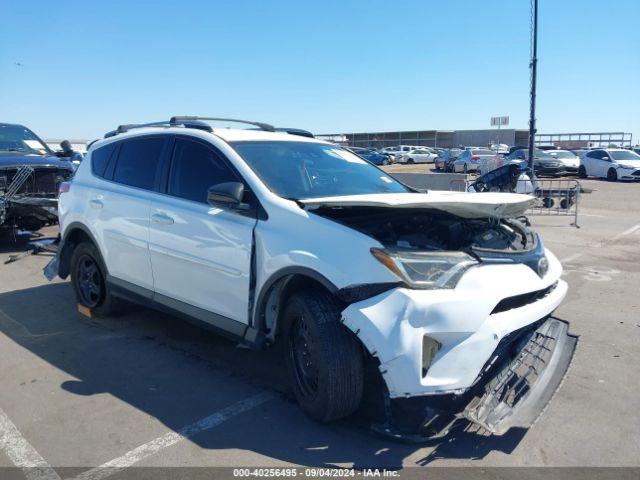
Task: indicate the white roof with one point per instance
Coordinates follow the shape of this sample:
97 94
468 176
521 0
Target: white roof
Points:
239 135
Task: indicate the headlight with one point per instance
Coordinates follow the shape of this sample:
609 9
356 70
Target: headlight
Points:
630 167
426 270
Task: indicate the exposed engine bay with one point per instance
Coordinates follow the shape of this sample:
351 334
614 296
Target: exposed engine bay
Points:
429 230
28 196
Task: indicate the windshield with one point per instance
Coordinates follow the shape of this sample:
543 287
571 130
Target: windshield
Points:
298 170
563 154
624 155
15 138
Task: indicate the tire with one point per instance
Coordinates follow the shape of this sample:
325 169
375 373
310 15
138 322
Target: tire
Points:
582 171
324 361
409 161
612 175
89 280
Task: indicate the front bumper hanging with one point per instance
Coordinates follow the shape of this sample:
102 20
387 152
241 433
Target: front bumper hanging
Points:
512 390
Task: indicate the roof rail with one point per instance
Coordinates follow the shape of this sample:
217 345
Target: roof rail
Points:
187 118
187 121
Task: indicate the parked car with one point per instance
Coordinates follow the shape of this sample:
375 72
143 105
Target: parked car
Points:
30 174
499 148
371 155
569 159
543 162
280 239
611 163
547 148
417 155
579 152
469 160
398 149
445 161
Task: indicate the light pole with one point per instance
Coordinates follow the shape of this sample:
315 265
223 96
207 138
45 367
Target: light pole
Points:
533 65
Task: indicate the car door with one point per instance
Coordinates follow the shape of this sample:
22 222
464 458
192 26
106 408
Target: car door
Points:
119 208
599 163
200 254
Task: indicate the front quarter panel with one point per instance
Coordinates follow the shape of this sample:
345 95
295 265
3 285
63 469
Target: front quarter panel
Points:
293 237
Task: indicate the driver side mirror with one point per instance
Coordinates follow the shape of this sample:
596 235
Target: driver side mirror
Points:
227 194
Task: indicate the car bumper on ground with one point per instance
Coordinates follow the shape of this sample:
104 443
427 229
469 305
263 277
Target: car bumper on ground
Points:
491 305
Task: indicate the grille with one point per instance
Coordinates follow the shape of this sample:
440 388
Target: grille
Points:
43 182
518 301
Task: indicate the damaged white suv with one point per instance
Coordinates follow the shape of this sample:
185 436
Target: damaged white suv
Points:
274 238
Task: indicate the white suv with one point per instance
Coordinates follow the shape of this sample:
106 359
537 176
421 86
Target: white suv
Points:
272 238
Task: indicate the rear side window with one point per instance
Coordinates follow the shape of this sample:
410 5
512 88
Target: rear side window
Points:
138 162
100 159
195 168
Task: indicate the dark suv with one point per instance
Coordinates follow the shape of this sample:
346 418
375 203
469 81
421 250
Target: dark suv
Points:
30 174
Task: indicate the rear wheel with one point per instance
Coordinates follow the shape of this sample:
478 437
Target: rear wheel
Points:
324 360
89 280
582 171
612 175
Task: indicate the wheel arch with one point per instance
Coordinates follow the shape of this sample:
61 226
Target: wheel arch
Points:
274 295
75 234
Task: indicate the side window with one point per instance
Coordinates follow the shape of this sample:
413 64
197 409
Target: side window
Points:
194 168
100 159
138 162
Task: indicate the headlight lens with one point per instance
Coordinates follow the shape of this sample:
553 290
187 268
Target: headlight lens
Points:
426 270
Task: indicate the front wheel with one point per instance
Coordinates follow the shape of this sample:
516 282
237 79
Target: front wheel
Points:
89 280
409 160
324 360
612 175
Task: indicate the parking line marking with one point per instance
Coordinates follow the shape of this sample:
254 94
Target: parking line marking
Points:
154 446
627 232
22 454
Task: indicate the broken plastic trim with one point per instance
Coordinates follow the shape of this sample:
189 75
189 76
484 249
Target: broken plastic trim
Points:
518 394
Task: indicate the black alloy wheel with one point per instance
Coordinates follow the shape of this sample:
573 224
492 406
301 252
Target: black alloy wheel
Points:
90 281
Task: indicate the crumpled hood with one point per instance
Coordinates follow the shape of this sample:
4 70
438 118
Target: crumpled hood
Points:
15 159
462 204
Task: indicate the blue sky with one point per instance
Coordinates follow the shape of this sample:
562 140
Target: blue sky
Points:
328 66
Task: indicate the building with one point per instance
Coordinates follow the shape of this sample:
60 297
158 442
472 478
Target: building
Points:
477 138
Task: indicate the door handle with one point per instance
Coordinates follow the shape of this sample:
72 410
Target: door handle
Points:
95 203
162 219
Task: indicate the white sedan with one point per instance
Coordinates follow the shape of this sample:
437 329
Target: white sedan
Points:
470 160
611 163
419 155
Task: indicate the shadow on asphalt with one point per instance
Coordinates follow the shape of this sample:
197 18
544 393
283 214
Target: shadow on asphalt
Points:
172 371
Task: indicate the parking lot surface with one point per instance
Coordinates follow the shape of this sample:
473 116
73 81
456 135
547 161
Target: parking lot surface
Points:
147 389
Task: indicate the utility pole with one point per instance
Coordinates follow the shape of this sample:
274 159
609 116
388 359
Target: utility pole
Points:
533 65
